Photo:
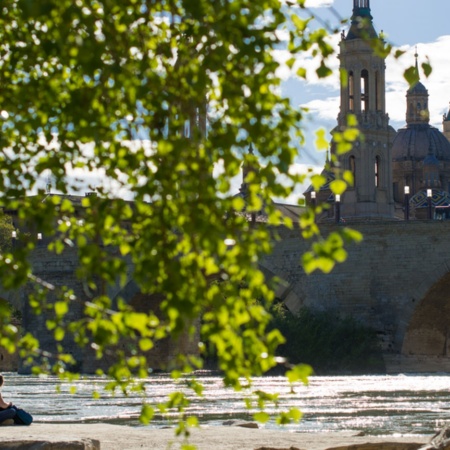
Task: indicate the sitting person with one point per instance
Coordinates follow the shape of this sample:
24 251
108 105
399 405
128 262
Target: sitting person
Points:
7 412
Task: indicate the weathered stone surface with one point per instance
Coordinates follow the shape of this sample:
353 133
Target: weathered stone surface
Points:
391 281
380 446
440 441
240 423
82 444
273 448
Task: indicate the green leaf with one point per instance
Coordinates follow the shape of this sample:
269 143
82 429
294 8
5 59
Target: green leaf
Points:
59 334
300 372
427 69
338 187
321 141
411 76
261 417
145 344
61 308
147 413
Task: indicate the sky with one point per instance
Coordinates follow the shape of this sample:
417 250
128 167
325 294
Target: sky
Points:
407 24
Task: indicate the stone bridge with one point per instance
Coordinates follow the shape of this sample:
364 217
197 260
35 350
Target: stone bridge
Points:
396 281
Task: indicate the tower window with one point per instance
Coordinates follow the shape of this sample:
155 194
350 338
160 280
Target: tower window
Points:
377 171
377 92
351 92
365 90
352 165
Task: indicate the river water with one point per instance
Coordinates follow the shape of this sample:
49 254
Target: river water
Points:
379 405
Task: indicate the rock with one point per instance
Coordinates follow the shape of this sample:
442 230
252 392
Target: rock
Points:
79 444
240 423
273 448
380 446
440 441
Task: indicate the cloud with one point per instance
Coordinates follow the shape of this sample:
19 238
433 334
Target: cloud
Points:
310 63
326 107
438 83
318 3
312 3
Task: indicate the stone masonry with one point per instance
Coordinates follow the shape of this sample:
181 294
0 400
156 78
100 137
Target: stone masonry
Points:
396 281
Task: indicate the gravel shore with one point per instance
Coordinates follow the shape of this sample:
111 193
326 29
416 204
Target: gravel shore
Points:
118 437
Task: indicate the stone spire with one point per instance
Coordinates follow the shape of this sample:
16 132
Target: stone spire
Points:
361 7
446 124
362 26
363 94
417 112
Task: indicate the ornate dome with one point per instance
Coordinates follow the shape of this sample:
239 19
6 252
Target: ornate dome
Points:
418 88
431 161
416 142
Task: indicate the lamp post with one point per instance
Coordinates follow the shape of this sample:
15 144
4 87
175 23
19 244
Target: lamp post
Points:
39 239
406 202
337 205
429 197
13 238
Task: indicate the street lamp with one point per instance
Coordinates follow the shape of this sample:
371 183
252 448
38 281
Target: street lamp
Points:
13 237
337 204
429 197
39 238
406 202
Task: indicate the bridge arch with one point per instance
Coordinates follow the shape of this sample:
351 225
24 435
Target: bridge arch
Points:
284 290
428 330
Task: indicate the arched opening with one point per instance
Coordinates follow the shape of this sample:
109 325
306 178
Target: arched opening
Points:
164 354
428 332
377 171
351 91
352 167
377 92
365 90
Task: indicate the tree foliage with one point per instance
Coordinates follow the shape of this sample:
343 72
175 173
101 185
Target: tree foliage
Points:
103 90
328 342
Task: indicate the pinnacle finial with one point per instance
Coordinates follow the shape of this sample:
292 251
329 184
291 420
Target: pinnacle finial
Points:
416 55
361 4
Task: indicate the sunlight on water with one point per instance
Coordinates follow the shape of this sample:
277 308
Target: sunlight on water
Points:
401 404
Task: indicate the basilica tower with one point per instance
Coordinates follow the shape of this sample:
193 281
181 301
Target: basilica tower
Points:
363 94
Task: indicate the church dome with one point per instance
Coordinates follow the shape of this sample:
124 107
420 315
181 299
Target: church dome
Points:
416 142
430 161
418 88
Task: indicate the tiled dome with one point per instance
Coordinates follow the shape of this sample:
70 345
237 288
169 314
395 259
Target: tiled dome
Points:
416 142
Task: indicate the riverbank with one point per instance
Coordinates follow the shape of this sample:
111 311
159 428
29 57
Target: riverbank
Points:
118 437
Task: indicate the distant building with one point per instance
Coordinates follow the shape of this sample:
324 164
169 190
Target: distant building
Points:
384 163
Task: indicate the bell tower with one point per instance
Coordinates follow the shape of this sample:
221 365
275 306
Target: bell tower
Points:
363 93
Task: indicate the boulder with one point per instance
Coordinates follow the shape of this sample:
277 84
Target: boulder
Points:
273 448
380 446
440 441
78 444
240 423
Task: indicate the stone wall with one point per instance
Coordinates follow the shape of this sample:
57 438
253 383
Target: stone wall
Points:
60 270
382 283
396 281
